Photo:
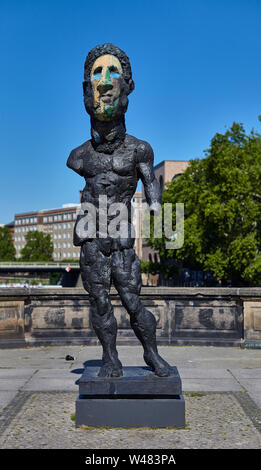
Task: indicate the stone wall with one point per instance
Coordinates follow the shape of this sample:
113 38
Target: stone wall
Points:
191 316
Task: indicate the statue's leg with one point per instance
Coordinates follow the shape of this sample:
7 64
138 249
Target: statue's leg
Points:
96 277
126 274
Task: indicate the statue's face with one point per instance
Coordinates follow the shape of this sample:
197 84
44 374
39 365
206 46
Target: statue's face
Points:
106 85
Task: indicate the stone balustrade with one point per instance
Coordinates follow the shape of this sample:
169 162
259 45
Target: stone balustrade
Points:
185 316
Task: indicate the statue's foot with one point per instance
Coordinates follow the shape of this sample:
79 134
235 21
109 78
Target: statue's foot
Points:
110 370
160 367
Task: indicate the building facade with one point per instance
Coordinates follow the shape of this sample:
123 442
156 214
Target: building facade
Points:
165 172
58 223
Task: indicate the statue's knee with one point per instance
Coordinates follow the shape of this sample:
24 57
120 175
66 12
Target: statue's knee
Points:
101 305
132 303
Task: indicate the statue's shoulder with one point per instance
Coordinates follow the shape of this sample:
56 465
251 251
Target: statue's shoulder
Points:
142 149
75 160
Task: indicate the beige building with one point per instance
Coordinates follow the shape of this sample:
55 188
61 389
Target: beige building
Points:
58 223
165 172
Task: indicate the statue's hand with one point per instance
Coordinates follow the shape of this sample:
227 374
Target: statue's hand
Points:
155 208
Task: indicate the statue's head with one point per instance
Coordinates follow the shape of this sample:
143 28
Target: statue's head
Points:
107 82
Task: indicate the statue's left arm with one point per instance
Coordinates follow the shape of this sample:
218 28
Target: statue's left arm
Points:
145 160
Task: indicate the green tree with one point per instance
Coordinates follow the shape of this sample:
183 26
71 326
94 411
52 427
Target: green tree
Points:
7 249
38 247
222 202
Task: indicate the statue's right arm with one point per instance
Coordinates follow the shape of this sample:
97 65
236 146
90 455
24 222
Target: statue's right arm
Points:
75 160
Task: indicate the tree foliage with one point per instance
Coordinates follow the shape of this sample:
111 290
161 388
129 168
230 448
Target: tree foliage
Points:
222 201
38 247
150 267
7 249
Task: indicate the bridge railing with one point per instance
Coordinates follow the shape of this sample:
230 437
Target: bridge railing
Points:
35 263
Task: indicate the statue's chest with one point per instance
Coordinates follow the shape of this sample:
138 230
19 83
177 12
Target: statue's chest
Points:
121 162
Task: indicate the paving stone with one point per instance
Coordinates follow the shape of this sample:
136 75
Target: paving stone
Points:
15 373
201 373
247 373
9 384
210 385
223 424
6 397
38 394
51 384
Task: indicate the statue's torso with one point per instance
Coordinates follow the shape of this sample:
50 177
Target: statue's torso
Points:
111 179
113 175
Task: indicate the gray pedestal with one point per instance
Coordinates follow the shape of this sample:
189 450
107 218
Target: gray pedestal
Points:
137 399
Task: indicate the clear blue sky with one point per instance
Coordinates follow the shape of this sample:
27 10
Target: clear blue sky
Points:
196 66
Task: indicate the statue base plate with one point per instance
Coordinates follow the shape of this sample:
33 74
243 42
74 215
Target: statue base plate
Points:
137 399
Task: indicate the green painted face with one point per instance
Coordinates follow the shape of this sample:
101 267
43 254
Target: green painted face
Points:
105 74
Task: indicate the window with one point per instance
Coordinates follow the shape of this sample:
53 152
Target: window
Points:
176 176
45 219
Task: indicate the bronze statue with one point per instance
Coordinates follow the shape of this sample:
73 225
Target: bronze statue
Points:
112 163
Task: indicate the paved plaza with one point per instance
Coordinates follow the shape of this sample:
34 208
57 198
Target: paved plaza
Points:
221 387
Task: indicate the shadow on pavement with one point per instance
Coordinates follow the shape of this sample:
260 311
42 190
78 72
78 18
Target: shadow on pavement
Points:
90 363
